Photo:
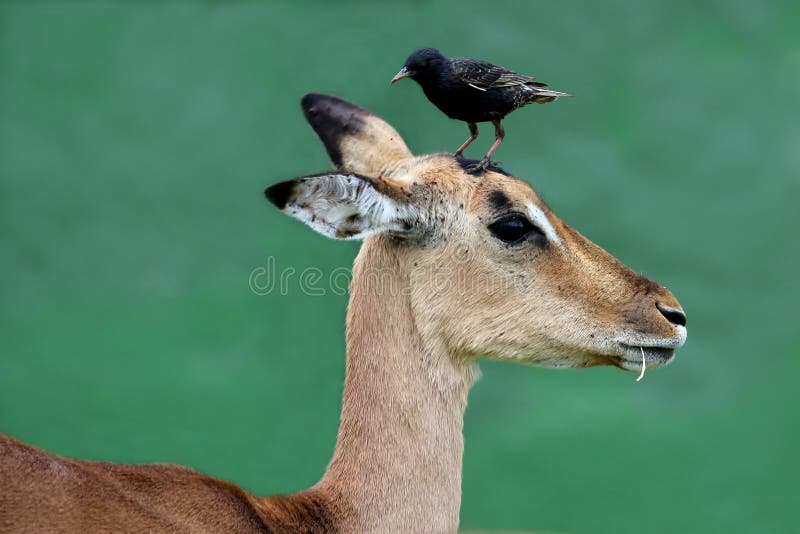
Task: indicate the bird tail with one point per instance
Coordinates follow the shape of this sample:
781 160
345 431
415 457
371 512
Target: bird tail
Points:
541 95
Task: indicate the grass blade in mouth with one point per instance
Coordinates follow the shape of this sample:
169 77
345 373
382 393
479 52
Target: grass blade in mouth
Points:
644 365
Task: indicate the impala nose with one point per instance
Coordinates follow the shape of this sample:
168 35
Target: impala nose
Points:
673 315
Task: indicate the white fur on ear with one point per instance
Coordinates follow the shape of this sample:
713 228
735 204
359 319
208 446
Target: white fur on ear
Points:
343 205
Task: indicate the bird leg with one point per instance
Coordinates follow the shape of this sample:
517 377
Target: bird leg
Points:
499 134
483 164
473 134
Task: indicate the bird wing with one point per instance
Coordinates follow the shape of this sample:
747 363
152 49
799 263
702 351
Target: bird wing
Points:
482 75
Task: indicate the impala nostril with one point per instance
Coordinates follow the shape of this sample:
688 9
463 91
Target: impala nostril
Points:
673 315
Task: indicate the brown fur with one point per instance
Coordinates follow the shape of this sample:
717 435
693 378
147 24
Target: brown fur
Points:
412 348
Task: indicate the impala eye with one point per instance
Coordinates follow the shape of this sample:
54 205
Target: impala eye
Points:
514 229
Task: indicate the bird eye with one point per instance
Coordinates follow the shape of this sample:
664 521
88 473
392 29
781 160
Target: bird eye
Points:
514 229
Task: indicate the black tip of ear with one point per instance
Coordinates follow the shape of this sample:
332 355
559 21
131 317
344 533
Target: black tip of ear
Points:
332 118
314 102
279 194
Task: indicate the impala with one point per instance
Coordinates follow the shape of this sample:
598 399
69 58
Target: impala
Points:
453 267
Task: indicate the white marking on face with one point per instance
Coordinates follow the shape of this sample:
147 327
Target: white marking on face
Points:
681 335
540 219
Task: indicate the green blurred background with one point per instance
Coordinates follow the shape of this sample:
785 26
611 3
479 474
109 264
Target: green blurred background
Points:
135 141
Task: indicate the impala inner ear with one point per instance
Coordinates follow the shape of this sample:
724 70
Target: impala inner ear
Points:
346 205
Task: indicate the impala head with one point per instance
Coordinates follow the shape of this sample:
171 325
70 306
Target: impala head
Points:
491 270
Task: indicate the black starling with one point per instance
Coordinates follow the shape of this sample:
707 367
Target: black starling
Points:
473 91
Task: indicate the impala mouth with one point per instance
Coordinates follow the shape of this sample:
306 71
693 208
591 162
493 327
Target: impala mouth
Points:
631 358
653 351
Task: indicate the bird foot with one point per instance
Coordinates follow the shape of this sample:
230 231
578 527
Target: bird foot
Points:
481 166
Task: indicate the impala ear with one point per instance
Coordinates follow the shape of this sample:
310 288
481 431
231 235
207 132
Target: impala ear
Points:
356 140
346 205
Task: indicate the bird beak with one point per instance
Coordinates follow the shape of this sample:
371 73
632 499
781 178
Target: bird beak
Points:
404 73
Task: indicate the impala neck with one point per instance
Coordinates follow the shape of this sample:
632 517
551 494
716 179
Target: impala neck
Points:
398 453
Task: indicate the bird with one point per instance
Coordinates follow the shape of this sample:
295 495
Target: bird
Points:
473 91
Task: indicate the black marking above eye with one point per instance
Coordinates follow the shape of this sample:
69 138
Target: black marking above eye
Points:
498 199
514 229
